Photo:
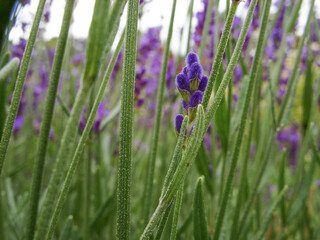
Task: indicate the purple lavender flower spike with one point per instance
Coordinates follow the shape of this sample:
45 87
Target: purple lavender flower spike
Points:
178 122
192 58
184 105
203 83
185 71
195 99
183 87
182 82
195 71
194 76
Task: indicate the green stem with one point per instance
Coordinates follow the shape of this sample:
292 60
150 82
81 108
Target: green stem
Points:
295 68
176 157
8 68
189 155
269 214
46 122
205 31
176 213
59 170
158 119
253 77
126 122
219 56
82 142
16 97
190 25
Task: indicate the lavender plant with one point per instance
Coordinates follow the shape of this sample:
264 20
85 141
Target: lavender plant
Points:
216 138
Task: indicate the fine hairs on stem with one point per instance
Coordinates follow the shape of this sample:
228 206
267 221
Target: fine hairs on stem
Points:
126 121
19 84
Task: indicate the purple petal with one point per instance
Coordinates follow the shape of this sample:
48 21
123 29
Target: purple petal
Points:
203 84
192 58
184 105
195 99
178 122
182 82
195 71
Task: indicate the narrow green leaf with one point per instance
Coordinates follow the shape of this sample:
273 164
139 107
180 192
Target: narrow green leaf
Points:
188 156
253 80
236 117
16 97
156 130
307 93
67 230
202 163
63 105
111 28
295 70
221 117
177 154
200 225
298 203
182 170
185 224
82 142
281 184
8 68
46 122
126 122
269 214
5 69
113 113
69 135
190 25
290 102
176 214
96 38
219 56
205 31
163 222
272 98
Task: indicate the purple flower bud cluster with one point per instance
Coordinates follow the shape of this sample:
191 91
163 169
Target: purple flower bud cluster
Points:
191 84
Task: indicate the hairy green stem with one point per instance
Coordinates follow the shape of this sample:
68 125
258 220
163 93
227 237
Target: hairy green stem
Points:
82 142
16 97
205 31
176 213
219 56
253 77
295 68
126 122
190 25
158 119
59 169
46 122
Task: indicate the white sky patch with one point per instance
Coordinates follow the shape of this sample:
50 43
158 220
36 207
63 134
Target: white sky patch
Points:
156 13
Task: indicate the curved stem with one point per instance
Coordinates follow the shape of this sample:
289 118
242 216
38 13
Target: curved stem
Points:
83 140
16 97
219 56
253 77
46 121
205 31
155 136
